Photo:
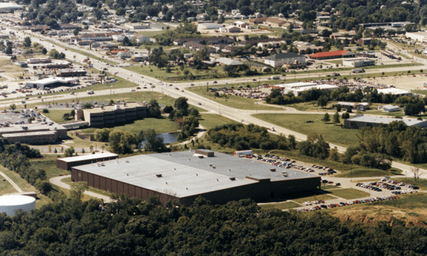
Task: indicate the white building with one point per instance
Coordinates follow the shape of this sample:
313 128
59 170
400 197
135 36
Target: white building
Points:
390 108
209 26
278 60
394 91
417 36
358 62
298 88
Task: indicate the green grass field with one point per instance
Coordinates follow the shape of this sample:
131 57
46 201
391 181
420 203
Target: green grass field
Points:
175 72
348 193
7 66
48 163
138 96
161 125
232 101
57 115
6 187
280 206
98 191
209 121
368 172
298 122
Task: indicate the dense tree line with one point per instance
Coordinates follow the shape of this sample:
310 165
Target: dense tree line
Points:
414 104
241 137
131 227
396 140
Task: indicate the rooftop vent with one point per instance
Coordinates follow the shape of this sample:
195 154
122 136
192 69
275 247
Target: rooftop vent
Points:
197 174
159 175
232 178
229 170
272 169
217 179
174 169
200 156
127 161
186 188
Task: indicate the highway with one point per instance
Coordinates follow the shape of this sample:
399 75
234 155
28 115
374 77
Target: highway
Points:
238 115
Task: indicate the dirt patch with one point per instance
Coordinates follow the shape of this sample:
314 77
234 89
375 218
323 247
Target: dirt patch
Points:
388 214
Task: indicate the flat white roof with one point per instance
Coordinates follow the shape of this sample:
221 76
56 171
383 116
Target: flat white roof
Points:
87 157
184 174
52 80
10 200
393 91
387 120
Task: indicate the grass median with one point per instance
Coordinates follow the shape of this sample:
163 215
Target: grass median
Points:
232 101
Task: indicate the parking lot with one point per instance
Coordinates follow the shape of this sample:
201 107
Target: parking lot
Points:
9 118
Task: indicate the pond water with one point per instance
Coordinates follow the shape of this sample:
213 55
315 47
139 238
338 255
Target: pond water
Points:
167 137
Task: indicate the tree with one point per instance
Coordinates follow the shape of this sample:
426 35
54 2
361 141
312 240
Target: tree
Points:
69 152
416 172
27 42
336 118
121 142
322 101
181 105
12 106
102 135
152 142
326 118
77 31
8 49
345 115
78 189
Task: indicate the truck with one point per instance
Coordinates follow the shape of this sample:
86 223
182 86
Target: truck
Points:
90 92
243 153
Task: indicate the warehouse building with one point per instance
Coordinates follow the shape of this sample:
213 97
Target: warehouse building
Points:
34 134
394 91
52 82
67 162
358 122
332 55
184 176
108 116
300 87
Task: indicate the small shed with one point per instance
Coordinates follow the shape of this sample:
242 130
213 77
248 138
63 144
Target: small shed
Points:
390 108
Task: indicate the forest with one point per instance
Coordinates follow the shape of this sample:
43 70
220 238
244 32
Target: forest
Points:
413 104
345 15
396 140
131 227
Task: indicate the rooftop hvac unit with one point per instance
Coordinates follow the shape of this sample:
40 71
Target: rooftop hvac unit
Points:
232 178
159 175
272 169
285 174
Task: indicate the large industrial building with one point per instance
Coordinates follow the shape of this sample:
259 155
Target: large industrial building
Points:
184 176
108 116
300 87
68 162
358 122
33 133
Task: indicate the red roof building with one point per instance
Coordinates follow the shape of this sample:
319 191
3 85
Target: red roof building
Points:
332 55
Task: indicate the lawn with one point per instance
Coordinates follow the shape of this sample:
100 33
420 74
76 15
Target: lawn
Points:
176 74
368 172
57 115
348 193
232 101
6 187
161 125
382 113
209 121
48 163
139 96
280 206
312 106
308 123
423 92
98 191
7 66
